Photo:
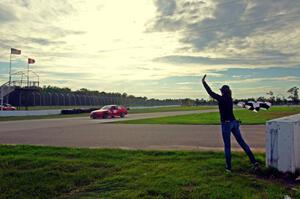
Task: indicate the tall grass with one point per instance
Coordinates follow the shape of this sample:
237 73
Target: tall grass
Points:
46 172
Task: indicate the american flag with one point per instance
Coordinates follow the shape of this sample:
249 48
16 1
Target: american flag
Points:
15 51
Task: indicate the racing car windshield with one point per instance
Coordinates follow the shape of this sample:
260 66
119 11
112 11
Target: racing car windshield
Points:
106 107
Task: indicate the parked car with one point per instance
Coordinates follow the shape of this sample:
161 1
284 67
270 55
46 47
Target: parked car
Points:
109 111
7 107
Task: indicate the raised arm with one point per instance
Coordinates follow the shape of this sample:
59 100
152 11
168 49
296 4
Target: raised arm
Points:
209 91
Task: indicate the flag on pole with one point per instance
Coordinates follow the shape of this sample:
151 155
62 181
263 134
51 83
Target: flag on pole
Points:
15 51
31 61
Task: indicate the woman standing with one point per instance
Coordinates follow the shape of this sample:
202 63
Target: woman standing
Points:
229 123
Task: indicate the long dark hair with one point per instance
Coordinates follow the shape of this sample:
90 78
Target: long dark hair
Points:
225 90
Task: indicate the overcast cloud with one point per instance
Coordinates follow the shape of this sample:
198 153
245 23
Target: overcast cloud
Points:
157 48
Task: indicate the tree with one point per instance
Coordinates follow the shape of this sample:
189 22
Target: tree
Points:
187 102
56 89
261 98
280 99
124 95
272 97
200 102
294 94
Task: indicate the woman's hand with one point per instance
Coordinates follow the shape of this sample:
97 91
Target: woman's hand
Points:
203 79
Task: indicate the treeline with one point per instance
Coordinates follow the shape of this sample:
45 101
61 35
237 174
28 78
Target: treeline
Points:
113 97
292 98
276 99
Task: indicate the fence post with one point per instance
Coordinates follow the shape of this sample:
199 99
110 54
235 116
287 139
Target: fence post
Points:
50 94
20 99
33 98
57 97
80 100
74 99
63 98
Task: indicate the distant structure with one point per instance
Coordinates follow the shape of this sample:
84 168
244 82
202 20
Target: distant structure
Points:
26 80
23 90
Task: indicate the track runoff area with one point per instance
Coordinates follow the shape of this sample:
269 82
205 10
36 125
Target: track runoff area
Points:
112 133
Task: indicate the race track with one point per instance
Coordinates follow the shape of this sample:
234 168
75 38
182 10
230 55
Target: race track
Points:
84 132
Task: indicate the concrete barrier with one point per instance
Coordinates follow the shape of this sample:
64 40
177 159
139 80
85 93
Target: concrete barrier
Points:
283 143
29 113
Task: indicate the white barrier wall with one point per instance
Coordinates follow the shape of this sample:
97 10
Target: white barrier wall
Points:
29 113
283 143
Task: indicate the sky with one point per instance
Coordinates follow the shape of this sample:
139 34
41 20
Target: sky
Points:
155 48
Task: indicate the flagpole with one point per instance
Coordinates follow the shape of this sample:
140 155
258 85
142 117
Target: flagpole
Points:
27 74
9 70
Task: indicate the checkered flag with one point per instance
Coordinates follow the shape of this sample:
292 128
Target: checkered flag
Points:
254 106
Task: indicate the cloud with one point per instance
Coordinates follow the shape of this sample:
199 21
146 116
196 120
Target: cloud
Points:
272 58
292 79
259 72
49 10
185 83
233 28
44 42
65 75
154 47
165 8
6 14
143 68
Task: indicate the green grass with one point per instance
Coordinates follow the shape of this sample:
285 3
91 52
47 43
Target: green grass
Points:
47 172
246 116
131 111
170 109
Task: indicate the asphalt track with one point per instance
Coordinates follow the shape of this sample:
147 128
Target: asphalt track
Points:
84 132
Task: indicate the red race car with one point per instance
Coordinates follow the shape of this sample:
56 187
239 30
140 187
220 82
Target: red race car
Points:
109 111
7 107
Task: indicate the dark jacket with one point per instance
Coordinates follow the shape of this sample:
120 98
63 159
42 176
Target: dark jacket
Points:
225 104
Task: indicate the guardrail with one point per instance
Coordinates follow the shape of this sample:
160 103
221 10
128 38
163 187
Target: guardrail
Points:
29 113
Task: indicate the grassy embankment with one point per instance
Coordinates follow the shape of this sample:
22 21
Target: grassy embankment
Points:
47 172
246 116
131 111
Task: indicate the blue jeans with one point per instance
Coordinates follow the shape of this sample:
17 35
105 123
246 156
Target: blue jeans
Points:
234 127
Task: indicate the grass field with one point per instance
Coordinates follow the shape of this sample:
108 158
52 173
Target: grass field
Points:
168 109
246 116
46 172
131 111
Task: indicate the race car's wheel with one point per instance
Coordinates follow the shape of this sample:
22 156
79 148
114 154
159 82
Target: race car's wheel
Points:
94 116
105 116
122 115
